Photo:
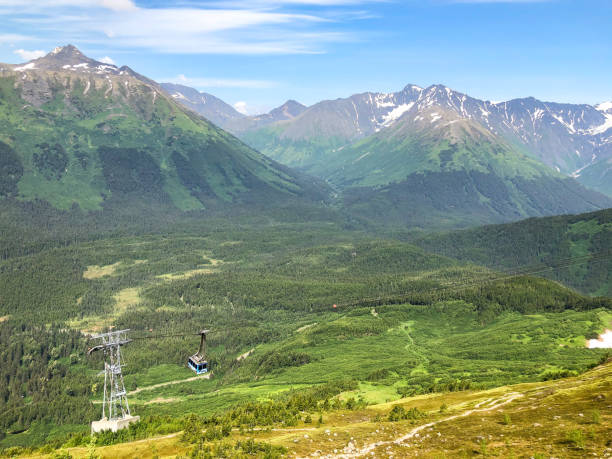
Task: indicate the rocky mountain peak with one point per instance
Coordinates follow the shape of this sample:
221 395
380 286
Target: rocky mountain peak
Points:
412 87
288 110
67 57
68 50
70 59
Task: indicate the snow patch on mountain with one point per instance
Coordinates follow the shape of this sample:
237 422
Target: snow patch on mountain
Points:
396 113
384 101
604 107
30 66
569 127
604 127
179 95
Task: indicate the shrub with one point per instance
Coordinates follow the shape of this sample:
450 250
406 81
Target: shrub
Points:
576 438
378 375
61 455
549 375
275 360
192 428
484 447
399 413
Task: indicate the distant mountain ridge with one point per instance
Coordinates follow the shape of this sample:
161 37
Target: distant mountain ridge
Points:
207 105
433 165
566 137
290 110
425 155
81 132
573 139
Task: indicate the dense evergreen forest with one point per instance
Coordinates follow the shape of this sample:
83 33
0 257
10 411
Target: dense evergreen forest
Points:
265 289
573 249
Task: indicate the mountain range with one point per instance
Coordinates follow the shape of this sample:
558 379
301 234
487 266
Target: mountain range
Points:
575 140
76 131
434 154
79 132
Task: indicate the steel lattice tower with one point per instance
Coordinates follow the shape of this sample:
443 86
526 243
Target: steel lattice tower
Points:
115 403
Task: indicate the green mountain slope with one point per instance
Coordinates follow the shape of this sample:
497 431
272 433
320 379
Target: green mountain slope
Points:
76 131
275 140
598 176
434 140
540 242
434 168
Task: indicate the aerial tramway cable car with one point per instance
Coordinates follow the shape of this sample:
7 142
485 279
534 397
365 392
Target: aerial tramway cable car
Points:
197 362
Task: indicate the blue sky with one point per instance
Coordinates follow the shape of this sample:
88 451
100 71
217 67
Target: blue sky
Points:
258 53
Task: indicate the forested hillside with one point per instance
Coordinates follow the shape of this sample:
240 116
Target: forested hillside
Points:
576 249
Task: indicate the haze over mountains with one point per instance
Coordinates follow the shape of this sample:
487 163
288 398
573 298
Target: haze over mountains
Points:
207 105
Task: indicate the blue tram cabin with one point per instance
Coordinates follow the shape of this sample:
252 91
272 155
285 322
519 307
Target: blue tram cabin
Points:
197 365
197 362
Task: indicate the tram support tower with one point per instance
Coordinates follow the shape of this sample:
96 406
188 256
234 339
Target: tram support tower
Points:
115 408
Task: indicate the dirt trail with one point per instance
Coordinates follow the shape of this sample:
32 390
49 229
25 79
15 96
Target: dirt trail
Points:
245 355
169 383
489 405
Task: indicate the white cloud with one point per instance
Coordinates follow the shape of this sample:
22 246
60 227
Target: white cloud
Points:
188 30
29 55
118 5
280 3
12 37
499 1
194 29
107 60
200 83
115 5
241 107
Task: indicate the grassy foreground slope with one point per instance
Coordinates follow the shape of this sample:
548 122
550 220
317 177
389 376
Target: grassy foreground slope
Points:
562 418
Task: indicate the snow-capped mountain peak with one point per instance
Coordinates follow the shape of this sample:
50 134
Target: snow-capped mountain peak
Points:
69 58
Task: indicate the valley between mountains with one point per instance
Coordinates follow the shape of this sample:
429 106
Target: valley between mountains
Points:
432 156
412 274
